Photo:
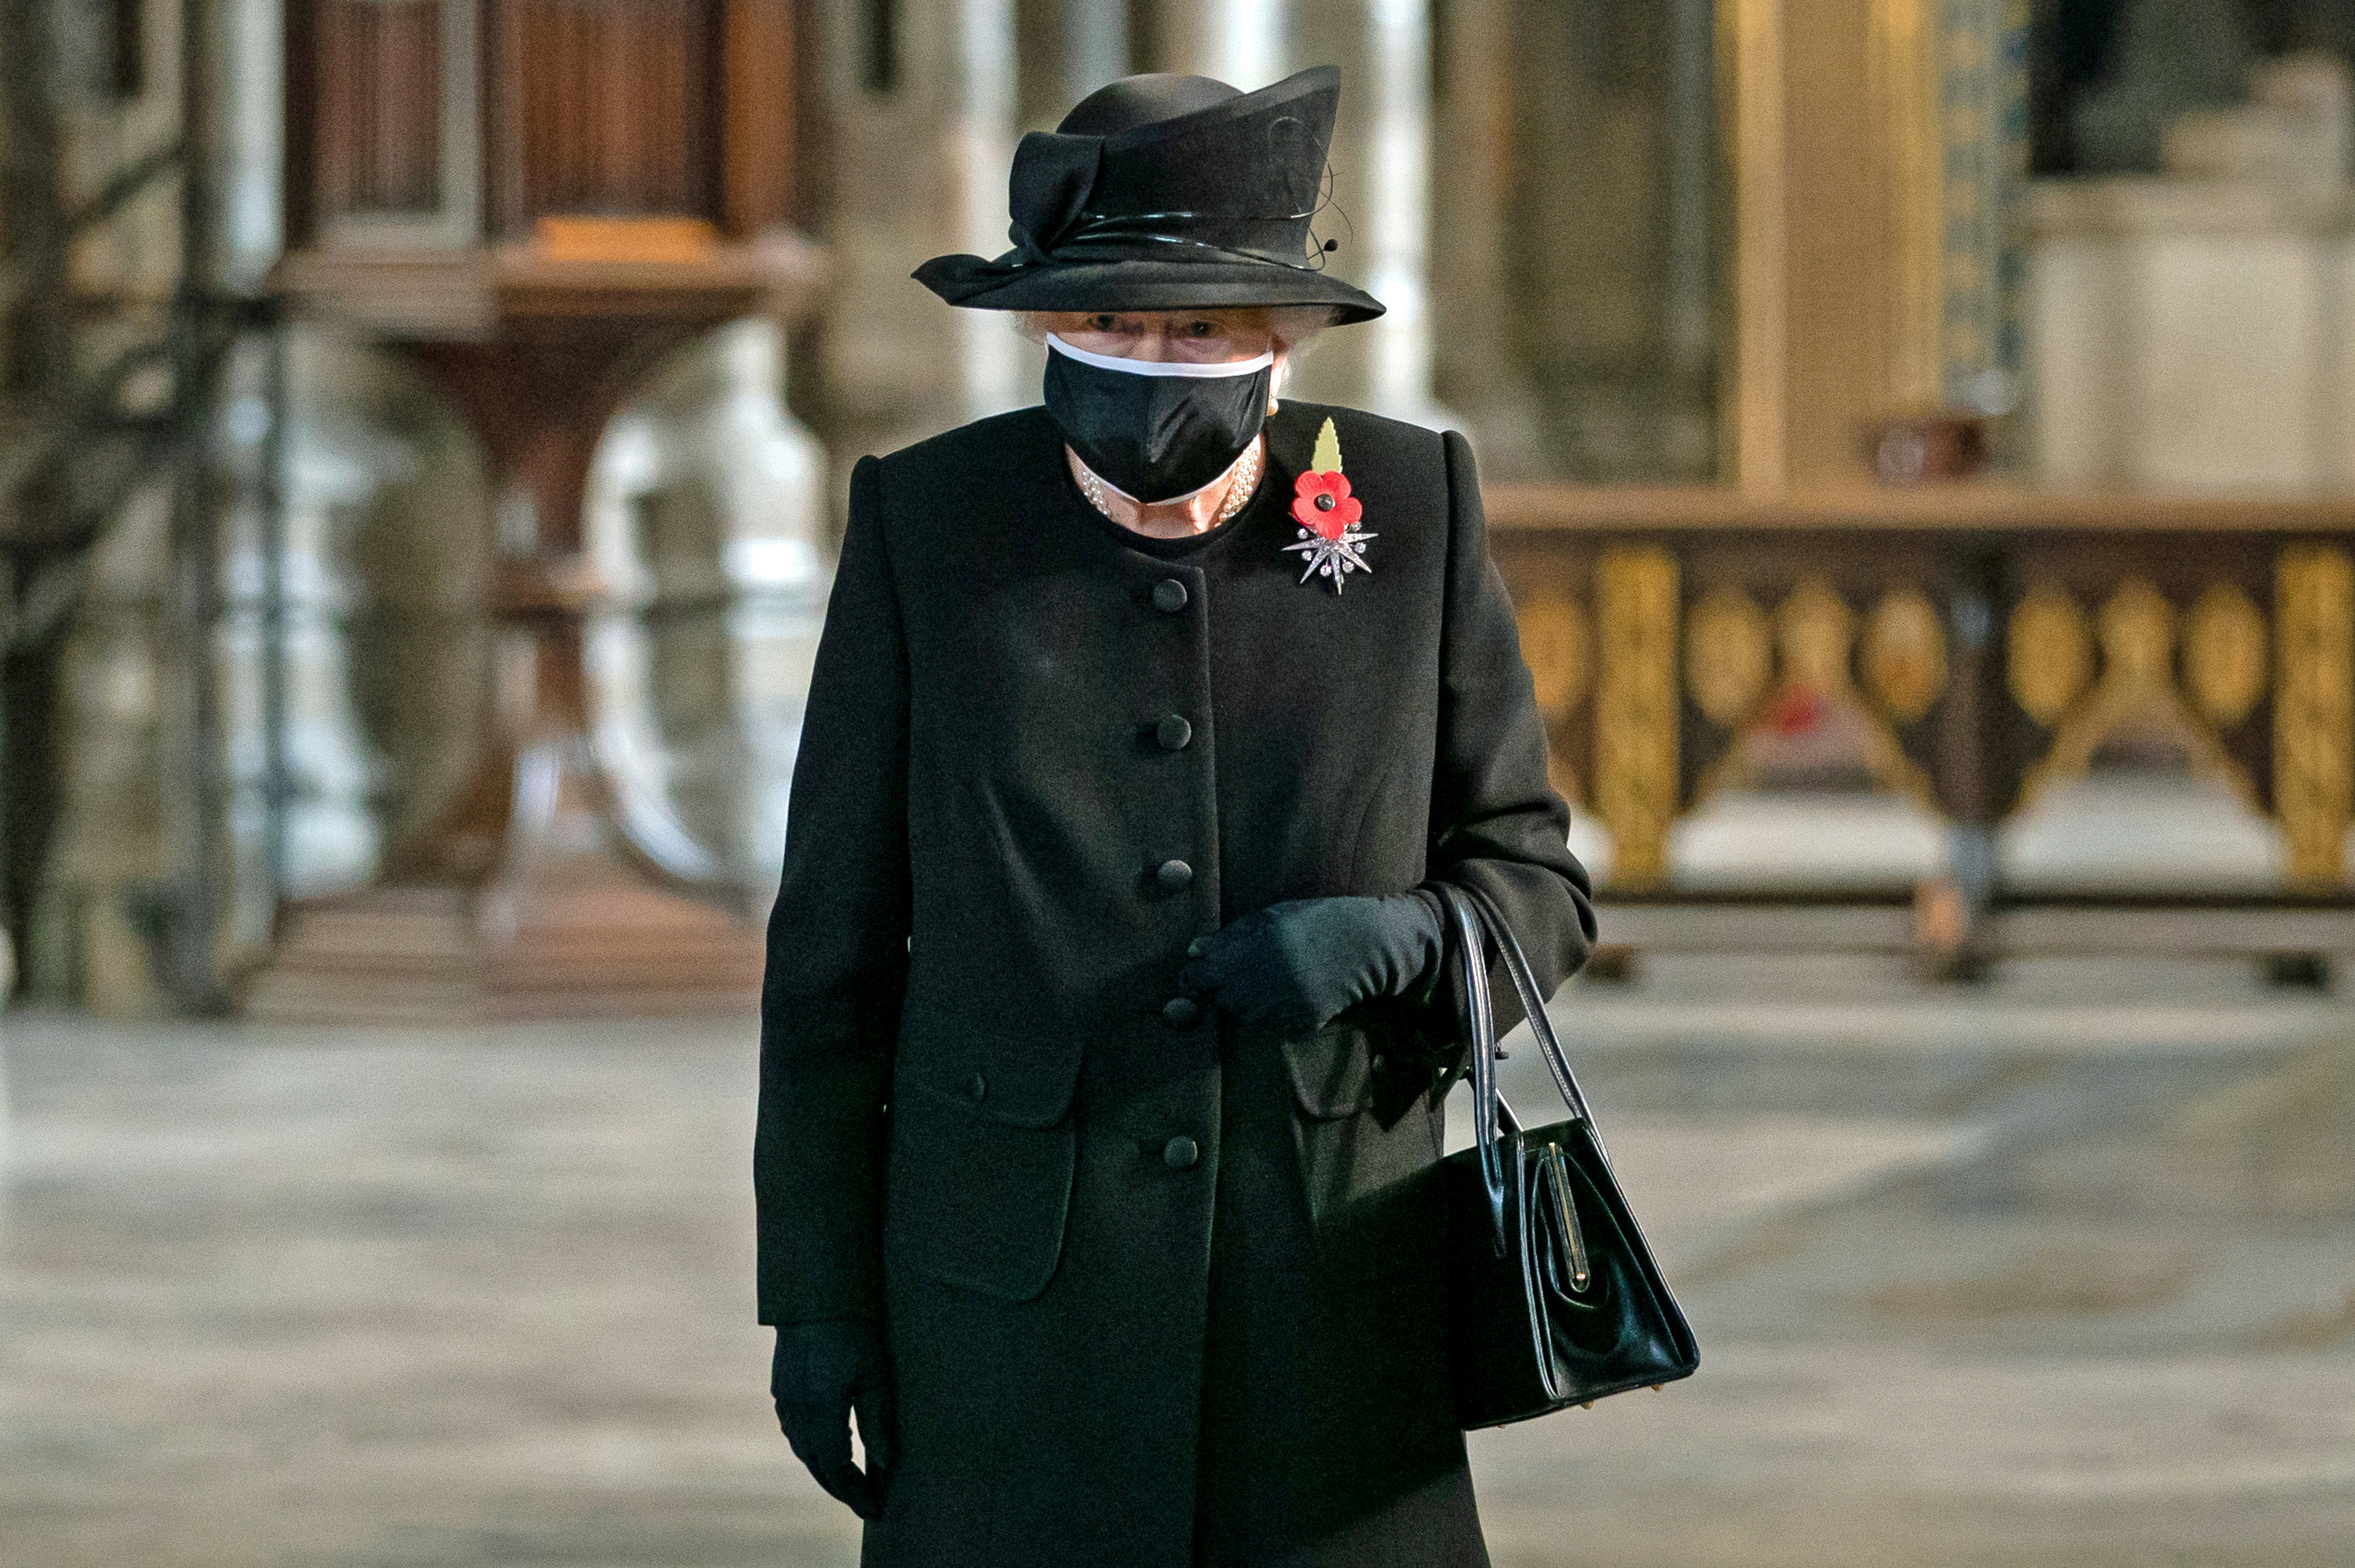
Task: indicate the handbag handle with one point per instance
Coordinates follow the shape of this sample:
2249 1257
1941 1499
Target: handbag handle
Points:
1525 985
1487 1101
1477 922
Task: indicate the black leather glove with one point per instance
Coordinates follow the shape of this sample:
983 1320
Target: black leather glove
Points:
1291 967
822 1373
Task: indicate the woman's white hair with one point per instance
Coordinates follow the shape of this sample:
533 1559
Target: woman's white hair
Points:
1291 326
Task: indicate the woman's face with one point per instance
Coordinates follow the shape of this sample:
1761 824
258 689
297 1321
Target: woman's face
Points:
1199 337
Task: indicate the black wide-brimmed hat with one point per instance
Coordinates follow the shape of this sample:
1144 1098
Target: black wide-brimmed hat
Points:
1164 193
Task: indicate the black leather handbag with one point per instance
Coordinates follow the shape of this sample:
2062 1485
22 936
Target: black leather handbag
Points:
1555 1299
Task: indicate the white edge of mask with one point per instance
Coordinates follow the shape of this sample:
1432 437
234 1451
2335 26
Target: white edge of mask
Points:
1162 366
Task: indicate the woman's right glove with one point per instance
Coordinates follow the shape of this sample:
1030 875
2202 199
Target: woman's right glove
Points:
1294 967
822 1373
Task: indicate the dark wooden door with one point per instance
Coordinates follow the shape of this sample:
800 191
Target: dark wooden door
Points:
443 122
605 107
372 112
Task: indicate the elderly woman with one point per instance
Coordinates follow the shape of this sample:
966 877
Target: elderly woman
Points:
1102 1044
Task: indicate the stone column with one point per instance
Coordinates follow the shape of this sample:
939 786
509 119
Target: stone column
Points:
253 153
923 127
331 473
1395 98
1380 209
383 568
97 909
1690 322
1474 358
979 137
1095 47
1244 43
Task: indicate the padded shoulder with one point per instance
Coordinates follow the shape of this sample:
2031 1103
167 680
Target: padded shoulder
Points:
977 452
1397 435
1405 459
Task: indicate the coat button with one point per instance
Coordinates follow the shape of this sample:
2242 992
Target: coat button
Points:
979 1089
1169 595
1180 1012
1180 1152
1173 732
1175 875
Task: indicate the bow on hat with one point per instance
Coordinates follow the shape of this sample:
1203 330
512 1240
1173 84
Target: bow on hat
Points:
1053 175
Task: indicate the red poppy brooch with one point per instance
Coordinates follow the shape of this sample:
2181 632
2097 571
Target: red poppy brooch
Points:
1327 513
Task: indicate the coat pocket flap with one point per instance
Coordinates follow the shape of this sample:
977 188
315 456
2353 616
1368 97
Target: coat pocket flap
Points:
1332 1070
1022 1080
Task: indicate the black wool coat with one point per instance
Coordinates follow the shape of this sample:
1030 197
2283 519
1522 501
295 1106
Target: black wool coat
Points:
1159 1291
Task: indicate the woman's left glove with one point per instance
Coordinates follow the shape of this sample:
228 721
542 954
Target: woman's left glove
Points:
1291 967
822 1373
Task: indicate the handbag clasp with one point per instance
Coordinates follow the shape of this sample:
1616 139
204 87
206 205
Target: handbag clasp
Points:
1557 1180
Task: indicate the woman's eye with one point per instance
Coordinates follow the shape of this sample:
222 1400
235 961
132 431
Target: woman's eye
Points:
1100 324
1203 329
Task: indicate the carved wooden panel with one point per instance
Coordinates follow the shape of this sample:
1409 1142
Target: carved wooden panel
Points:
1971 663
2314 724
2088 628
765 131
1634 712
607 107
437 124
376 130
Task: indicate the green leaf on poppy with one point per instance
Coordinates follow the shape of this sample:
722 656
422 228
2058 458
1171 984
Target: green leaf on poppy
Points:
1328 451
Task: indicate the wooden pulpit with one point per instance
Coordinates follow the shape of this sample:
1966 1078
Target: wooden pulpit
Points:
533 201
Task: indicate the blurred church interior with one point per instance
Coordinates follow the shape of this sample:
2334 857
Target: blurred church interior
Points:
1919 435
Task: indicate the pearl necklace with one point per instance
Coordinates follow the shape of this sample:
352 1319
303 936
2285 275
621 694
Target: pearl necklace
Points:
1239 494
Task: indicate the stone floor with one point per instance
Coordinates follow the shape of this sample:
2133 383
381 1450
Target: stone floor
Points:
2061 1272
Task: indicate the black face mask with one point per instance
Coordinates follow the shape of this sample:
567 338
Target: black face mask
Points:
1156 430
